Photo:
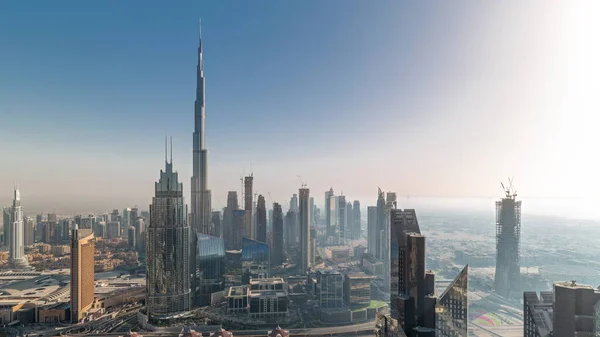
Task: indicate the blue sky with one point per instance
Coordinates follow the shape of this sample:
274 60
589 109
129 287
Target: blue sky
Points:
426 99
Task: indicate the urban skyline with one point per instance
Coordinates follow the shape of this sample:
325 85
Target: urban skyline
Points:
229 161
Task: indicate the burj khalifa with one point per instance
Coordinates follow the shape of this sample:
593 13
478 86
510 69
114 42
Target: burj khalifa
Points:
200 199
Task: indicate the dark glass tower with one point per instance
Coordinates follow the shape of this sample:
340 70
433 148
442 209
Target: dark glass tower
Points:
168 277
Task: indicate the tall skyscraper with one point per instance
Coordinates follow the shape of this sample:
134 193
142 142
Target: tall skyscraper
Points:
356 221
229 231
538 314
6 225
16 257
380 224
248 206
341 212
311 209
125 222
290 228
329 212
168 280
261 220
349 221
216 226
508 237
201 195
576 310
372 233
82 272
28 231
452 313
277 254
294 203
304 217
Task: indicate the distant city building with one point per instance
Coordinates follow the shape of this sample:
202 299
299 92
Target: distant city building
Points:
356 220
82 273
249 223
342 214
508 238
125 221
6 225
16 258
304 222
330 215
168 264
131 237
277 252
28 231
311 209
238 228
261 219
216 224
113 229
294 203
349 221
210 259
290 228
230 234
380 228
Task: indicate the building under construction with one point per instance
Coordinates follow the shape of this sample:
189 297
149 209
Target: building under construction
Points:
508 238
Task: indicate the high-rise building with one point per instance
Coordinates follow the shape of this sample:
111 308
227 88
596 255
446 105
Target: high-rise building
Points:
329 211
125 222
238 228
28 231
313 244
6 225
16 257
255 259
261 219
210 259
342 214
229 231
140 234
249 222
538 314
452 313
114 216
576 310
168 280
311 209
290 228
216 227
201 195
356 221
349 221
113 229
372 233
133 215
304 222
131 237
508 237
82 272
329 289
380 224
294 203
52 217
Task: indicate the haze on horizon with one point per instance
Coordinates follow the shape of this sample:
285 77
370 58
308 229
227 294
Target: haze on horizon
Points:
424 99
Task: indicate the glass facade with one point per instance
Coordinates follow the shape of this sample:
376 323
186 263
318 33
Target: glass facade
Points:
210 263
451 308
255 258
330 289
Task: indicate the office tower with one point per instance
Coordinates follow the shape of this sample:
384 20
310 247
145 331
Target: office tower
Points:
313 244
277 254
66 229
329 212
6 225
576 310
216 227
269 221
538 314
294 203
113 229
16 257
140 235
329 289
349 221
341 212
290 228
51 217
304 222
100 231
82 272
508 236
229 233
131 237
255 259
380 224
210 259
126 221
28 231
372 233
452 307
311 209
248 206
47 232
168 265
238 228
201 195
261 220
114 216
356 222
133 215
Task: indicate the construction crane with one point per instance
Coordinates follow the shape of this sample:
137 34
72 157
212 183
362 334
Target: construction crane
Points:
509 191
271 198
301 181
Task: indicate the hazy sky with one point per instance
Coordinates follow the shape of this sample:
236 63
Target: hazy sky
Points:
428 98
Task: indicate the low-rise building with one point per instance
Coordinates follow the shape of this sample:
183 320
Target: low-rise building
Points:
357 289
268 298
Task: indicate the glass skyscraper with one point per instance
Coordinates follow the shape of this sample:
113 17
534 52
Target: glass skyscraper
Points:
210 260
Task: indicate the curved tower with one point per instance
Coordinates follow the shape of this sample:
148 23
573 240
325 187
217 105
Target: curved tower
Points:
200 198
17 250
168 282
